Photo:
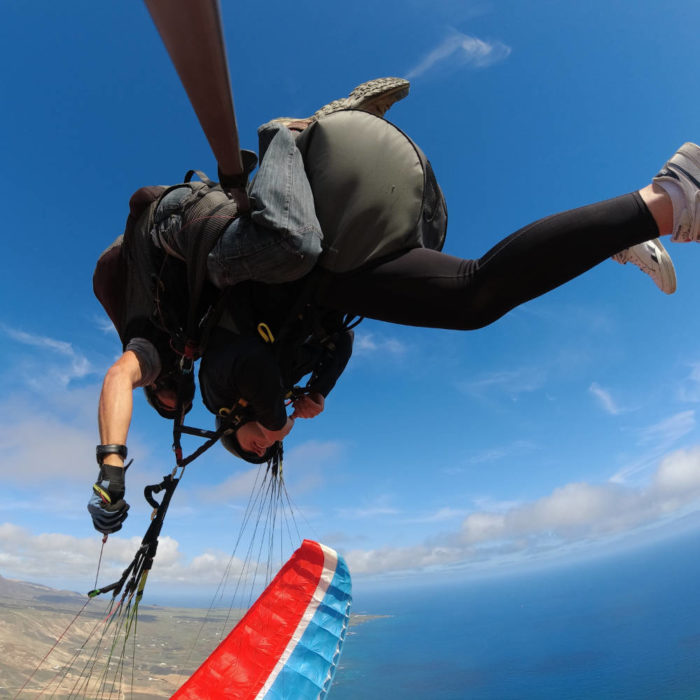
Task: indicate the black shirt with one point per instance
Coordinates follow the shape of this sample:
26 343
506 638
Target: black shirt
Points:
244 366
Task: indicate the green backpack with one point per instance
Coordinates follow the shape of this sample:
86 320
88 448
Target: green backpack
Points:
375 192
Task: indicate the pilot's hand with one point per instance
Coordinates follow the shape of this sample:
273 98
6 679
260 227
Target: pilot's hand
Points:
107 505
308 406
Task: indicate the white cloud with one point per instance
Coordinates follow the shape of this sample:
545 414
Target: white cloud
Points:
372 344
306 465
56 434
38 445
690 387
313 452
679 473
656 440
66 558
576 510
572 514
379 507
664 433
105 325
461 50
303 467
605 399
441 515
238 487
486 503
394 559
362 513
510 382
517 449
39 341
59 362
495 454
481 527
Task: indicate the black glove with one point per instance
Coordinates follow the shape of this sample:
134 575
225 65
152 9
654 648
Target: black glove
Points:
107 505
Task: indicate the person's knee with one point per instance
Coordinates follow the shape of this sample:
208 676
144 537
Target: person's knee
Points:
307 244
480 311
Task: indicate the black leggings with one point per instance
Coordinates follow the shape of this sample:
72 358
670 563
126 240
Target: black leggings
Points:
426 288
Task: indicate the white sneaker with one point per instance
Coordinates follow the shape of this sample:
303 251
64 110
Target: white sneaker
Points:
651 257
683 170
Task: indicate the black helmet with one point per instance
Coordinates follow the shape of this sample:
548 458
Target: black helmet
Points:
176 384
230 442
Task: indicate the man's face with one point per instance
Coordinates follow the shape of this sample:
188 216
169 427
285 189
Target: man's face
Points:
252 439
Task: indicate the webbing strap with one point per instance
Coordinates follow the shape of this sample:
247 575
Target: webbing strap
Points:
202 176
209 223
143 560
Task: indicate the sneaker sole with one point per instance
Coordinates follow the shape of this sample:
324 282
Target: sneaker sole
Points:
667 271
365 96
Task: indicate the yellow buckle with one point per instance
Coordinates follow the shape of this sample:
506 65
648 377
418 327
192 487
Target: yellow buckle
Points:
266 333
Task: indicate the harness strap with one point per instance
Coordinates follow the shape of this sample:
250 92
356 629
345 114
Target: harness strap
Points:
143 560
209 226
202 176
132 579
308 294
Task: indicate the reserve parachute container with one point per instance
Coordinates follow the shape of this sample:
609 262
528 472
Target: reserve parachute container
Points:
375 191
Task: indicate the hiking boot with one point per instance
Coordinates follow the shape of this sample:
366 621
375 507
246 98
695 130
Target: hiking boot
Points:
651 257
683 171
293 123
374 96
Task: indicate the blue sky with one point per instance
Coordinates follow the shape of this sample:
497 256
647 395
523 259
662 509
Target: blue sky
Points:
566 426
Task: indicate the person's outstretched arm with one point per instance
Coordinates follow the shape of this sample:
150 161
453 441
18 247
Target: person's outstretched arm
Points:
116 403
107 506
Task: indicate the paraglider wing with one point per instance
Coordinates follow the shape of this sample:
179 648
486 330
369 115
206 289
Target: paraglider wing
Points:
288 644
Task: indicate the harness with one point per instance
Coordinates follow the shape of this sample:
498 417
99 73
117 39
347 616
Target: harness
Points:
186 340
202 230
302 322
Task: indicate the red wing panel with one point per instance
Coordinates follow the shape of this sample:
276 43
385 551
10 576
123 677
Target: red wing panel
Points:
239 667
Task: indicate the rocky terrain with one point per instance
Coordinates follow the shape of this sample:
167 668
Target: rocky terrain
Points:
168 644
52 651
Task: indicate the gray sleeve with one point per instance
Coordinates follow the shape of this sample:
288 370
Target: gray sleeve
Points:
148 359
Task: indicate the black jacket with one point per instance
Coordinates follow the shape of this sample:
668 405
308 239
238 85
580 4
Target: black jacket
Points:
244 366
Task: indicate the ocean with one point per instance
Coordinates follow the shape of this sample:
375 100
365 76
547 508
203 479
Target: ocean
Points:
626 627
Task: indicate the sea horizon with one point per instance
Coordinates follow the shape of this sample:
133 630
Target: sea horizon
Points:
625 626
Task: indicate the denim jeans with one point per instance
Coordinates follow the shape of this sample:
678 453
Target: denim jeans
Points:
280 240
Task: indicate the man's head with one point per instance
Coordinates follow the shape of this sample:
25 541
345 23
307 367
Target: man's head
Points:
163 393
248 442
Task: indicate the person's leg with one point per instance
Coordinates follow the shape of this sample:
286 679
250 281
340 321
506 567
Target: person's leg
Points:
427 288
281 239
673 199
651 257
660 207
